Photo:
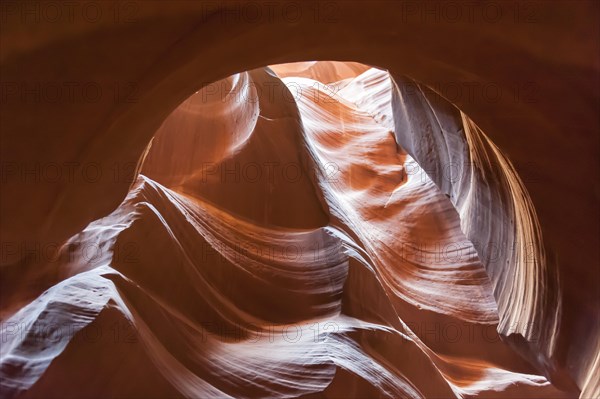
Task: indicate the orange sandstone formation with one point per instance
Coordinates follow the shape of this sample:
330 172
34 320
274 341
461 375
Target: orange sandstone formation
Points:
309 229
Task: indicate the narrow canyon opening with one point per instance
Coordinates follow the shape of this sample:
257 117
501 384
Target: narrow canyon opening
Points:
299 230
191 208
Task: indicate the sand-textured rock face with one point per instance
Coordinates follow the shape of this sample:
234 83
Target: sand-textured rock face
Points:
178 220
279 242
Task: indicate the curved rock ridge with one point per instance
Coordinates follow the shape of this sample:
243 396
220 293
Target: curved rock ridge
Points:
229 105
283 244
483 185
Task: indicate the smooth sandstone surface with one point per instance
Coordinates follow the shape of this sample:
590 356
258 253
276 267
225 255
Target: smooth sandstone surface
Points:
376 157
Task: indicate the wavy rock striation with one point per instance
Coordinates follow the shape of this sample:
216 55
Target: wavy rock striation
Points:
288 236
